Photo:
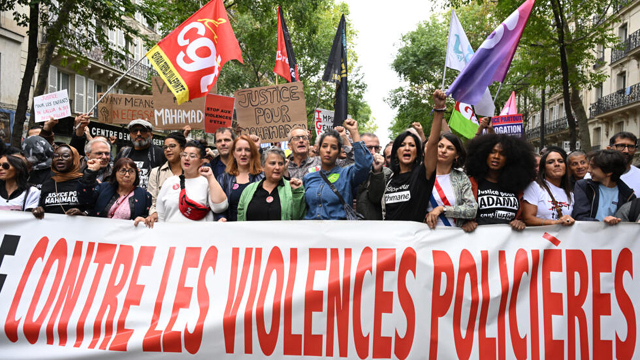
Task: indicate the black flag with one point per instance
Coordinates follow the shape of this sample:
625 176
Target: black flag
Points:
336 71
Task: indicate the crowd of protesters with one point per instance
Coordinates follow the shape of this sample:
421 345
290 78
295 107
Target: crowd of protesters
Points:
438 180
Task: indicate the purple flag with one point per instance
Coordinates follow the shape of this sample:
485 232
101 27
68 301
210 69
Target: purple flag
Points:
492 60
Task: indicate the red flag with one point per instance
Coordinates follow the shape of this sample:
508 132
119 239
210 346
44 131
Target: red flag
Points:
285 60
190 58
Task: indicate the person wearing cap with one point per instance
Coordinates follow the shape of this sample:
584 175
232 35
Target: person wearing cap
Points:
143 153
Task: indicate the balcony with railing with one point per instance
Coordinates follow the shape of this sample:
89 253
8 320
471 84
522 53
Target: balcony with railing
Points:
618 99
550 128
139 71
631 43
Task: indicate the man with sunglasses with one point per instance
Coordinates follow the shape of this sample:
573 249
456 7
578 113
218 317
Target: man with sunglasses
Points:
627 144
144 153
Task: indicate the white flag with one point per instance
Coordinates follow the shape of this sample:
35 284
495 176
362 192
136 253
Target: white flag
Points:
459 53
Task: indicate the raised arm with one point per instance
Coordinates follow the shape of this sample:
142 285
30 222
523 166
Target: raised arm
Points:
431 155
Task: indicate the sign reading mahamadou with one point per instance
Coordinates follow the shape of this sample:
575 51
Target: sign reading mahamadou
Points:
168 115
123 108
271 111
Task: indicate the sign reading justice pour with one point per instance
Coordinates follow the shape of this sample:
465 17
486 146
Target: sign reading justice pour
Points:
271 111
54 105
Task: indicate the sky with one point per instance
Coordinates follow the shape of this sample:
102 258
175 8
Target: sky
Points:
380 26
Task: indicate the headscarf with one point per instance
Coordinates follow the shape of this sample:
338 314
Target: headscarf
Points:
38 152
74 173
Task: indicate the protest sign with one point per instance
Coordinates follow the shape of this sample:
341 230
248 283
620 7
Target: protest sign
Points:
120 132
508 124
82 288
271 111
323 120
218 112
168 115
54 105
123 108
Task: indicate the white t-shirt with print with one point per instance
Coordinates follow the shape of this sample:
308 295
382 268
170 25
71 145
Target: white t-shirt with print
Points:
536 195
31 202
197 190
443 183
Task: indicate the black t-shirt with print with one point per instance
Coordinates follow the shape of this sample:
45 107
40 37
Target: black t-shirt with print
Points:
64 199
407 195
141 158
494 205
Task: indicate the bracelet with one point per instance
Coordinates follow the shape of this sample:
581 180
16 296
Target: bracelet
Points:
440 110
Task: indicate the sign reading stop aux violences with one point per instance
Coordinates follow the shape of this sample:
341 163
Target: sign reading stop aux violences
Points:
189 59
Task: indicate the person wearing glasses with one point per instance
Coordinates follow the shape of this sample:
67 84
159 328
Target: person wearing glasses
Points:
369 196
194 195
144 153
173 146
300 162
627 144
15 192
59 193
119 197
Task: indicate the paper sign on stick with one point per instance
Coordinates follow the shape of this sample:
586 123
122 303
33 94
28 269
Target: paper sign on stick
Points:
123 108
54 105
323 120
168 115
271 111
218 112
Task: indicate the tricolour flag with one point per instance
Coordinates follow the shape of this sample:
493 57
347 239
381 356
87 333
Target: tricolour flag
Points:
286 65
336 71
492 60
463 120
510 108
459 53
190 58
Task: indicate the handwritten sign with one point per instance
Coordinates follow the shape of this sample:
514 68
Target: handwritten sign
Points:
123 108
508 124
271 111
54 105
168 115
218 112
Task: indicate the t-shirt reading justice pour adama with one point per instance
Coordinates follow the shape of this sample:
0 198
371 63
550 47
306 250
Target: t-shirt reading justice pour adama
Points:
494 205
407 195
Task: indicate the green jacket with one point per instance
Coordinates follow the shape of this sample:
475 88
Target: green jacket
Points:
291 201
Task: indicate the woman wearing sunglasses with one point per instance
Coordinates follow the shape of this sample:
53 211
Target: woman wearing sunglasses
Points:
15 192
194 195
118 198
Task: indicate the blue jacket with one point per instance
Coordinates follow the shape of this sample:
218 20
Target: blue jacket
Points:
322 202
100 197
586 196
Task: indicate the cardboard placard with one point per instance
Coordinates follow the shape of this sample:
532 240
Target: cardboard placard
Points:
123 108
54 105
218 112
271 111
508 124
168 115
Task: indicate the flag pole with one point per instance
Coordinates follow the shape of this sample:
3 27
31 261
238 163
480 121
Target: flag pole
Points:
497 92
115 83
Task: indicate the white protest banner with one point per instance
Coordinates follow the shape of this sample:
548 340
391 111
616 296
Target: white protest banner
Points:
83 288
50 105
323 120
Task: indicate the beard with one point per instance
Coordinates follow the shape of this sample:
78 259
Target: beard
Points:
142 143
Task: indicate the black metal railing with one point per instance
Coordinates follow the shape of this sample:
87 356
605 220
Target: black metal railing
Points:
615 100
550 128
632 42
139 71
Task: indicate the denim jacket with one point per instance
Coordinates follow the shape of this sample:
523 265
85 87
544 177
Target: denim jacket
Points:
322 202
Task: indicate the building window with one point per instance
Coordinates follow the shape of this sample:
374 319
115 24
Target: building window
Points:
599 91
596 136
619 127
63 81
622 32
621 81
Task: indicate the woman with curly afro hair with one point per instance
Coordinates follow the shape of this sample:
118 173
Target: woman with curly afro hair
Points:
500 167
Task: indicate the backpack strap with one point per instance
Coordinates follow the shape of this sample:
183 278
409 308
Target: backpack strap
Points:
26 195
634 212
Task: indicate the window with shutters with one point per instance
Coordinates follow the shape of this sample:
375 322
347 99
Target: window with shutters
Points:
121 41
53 79
79 103
555 113
63 81
91 94
112 36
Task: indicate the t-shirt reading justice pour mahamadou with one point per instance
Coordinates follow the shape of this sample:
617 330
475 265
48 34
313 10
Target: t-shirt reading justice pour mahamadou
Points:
494 205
